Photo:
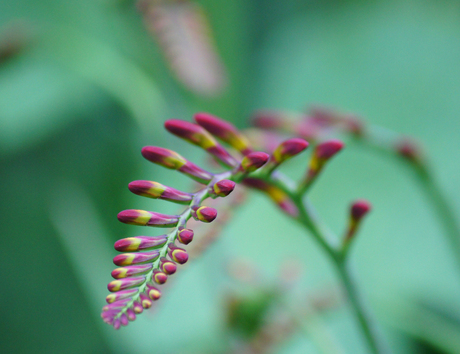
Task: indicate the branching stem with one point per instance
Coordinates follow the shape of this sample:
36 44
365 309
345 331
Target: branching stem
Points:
337 255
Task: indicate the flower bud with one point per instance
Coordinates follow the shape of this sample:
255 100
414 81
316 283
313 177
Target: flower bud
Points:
131 314
359 208
199 136
137 307
129 271
156 190
124 319
167 266
116 323
138 243
159 277
147 218
185 236
253 161
174 161
270 120
222 188
126 283
225 131
135 258
288 149
116 305
323 153
409 150
203 213
120 295
177 254
145 301
153 292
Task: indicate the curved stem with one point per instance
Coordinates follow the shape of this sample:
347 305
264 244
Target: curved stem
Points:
307 219
442 209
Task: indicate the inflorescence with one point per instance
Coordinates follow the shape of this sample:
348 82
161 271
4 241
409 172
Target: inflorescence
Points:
149 261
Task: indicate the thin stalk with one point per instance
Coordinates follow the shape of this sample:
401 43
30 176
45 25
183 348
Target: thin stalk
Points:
307 219
436 199
442 209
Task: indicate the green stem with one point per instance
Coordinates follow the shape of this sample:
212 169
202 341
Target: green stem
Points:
306 218
442 209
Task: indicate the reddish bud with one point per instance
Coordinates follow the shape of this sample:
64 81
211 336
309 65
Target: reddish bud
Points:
328 149
173 160
177 254
131 314
204 214
253 161
323 153
159 277
156 190
120 295
123 284
129 271
167 266
185 236
145 301
147 218
288 149
199 136
223 188
409 150
135 258
153 292
225 131
124 319
137 307
138 243
359 208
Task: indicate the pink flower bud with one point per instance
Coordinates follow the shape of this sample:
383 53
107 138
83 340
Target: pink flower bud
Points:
156 190
153 292
359 208
126 283
120 295
173 160
177 254
199 136
147 218
138 243
145 301
225 131
204 214
129 271
137 307
323 153
222 188
131 314
288 149
159 277
167 266
135 258
253 161
185 236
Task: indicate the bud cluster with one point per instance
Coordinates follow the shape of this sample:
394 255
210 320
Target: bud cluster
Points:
148 261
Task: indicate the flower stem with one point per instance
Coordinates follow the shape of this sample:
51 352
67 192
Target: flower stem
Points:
307 219
442 209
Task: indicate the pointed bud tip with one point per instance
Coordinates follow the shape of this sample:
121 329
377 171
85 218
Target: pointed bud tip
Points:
224 187
185 236
329 148
254 160
360 208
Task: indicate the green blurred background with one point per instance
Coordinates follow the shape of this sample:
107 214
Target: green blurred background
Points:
89 87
